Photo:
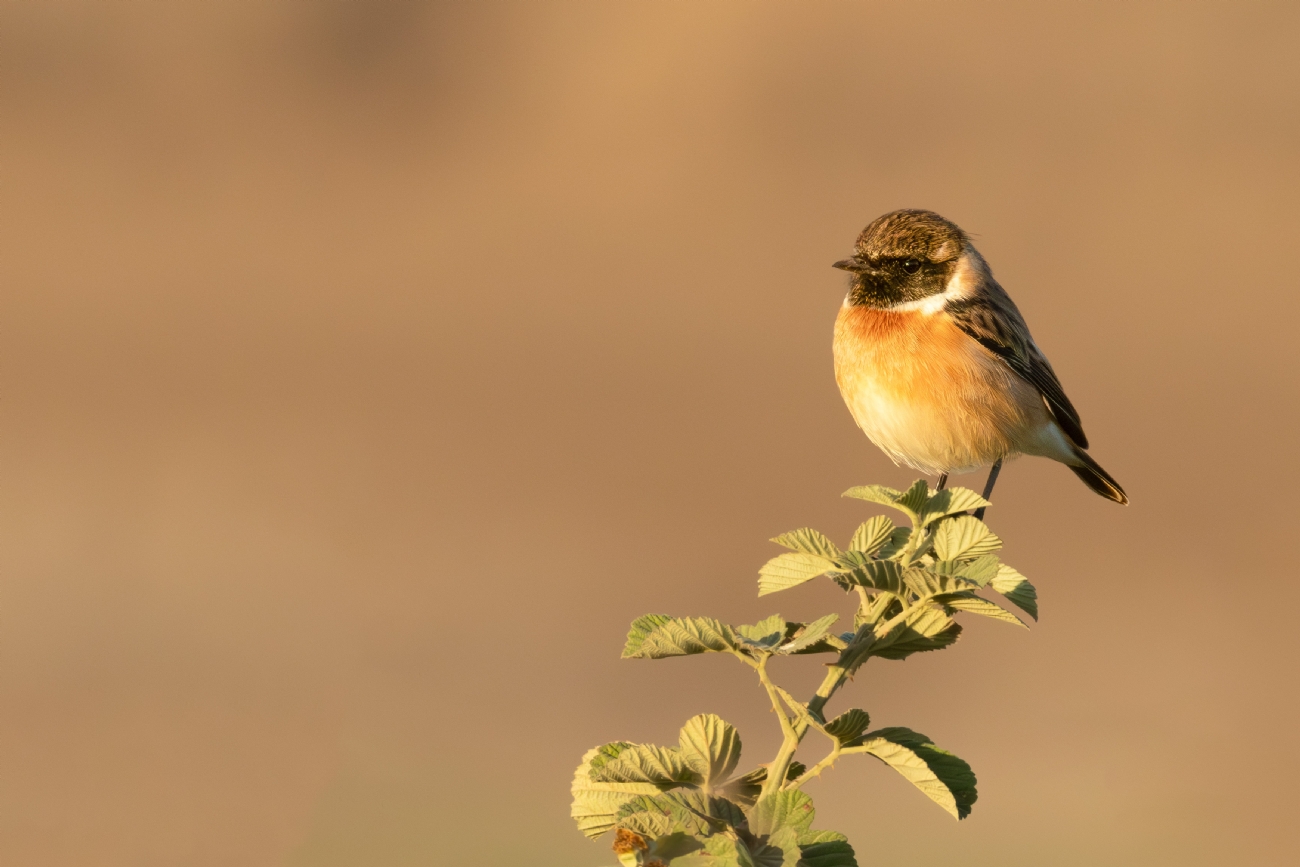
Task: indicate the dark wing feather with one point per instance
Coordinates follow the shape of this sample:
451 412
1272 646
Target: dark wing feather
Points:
990 317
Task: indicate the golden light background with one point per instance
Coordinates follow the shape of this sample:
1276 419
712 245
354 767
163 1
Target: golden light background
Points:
366 368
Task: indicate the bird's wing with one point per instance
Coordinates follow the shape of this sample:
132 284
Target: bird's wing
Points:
990 317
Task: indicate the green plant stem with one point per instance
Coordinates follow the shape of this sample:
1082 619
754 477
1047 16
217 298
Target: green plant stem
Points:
816 769
786 728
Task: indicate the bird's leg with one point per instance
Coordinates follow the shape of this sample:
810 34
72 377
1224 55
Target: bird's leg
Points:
988 487
943 480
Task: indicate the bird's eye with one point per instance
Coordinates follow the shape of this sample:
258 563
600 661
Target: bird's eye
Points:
911 266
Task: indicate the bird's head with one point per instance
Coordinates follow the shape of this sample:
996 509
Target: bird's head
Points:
902 257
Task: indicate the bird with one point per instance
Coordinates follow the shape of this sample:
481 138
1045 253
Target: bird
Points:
938 367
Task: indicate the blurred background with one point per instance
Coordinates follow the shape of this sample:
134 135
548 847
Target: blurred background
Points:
367 367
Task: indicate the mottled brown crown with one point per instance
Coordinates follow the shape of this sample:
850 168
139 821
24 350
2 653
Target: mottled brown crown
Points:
911 234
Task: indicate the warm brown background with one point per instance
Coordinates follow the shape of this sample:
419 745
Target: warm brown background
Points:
366 368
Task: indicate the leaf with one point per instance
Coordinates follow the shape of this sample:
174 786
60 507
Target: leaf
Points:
981 570
871 535
711 747
914 499
791 570
665 767
949 502
595 804
825 849
814 633
962 537
765 634
787 809
874 494
944 778
809 542
686 811
849 725
898 540
927 627
1016 588
925 582
641 627
976 605
883 575
683 636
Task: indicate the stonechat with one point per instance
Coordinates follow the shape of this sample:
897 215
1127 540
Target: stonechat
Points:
937 365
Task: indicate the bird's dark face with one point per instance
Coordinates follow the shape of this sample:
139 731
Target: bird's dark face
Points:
901 257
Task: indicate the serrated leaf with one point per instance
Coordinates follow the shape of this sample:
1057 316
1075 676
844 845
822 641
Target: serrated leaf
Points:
927 627
949 502
798 636
684 636
874 494
1016 588
595 804
849 725
981 570
787 809
924 582
711 747
665 767
973 604
883 575
964 537
685 811
814 632
871 535
897 543
809 541
914 499
641 627
765 634
825 849
790 570
944 778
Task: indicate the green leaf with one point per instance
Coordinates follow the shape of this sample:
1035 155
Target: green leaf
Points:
791 570
711 747
944 778
897 543
914 499
683 636
849 725
596 804
809 541
925 582
874 494
976 605
788 809
814 633
665 767
981 570
871 535
641 627
825 849
686 811
765 634
1016 588
950 502
963 537
927 627
883 575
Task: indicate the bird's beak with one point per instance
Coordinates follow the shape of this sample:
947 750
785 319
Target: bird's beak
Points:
856 265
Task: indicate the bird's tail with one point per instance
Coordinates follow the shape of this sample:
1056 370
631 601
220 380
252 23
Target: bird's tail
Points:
1096 478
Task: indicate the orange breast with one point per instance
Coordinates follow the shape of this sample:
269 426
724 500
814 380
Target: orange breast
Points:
927 394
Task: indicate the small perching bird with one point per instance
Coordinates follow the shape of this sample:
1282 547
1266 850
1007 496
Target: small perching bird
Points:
937 365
